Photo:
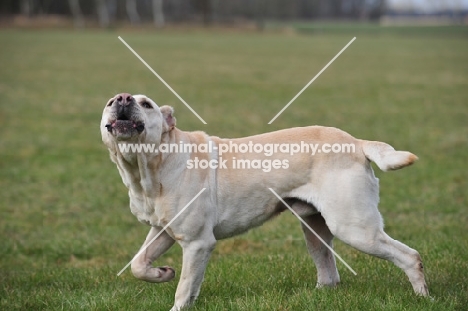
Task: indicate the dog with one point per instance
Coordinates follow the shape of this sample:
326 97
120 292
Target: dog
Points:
336 194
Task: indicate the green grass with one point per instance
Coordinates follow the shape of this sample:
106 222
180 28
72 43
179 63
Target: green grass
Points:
65 225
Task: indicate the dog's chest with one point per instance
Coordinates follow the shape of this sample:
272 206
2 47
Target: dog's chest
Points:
131 158
146 209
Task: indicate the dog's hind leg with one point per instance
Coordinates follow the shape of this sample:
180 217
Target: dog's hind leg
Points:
327 274
352 216
379 244
142 265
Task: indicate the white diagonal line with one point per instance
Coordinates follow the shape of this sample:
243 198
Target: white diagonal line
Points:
313 79
308 227
162 80
160 232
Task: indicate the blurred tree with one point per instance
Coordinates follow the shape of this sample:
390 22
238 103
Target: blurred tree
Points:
131 7
158 14
261 14
27 7
205 6
103 13
336 8
75 10
112 6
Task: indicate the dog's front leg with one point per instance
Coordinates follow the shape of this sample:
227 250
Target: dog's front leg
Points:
195 258
142 265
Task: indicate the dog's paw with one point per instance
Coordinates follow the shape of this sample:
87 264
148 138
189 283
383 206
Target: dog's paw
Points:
166 273
326 285
154 274
422 291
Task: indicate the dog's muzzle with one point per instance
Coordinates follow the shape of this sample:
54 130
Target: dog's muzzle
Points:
125 123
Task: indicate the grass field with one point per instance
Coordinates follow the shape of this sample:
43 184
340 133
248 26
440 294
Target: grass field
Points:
66 229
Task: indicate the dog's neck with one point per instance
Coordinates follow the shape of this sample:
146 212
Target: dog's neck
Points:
143 172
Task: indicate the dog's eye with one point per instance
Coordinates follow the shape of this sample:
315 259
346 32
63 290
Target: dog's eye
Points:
110 103
146 105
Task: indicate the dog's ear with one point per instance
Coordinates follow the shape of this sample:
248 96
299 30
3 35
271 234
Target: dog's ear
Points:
169 121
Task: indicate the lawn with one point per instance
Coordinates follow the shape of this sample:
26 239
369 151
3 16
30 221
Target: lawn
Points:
65 225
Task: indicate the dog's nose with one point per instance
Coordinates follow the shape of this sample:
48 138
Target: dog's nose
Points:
124 99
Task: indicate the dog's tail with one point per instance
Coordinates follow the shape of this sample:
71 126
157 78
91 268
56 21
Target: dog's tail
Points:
386 157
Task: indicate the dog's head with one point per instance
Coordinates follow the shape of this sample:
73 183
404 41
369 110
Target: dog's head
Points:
137 118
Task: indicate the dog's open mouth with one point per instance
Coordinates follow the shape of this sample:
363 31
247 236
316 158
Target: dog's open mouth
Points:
125 126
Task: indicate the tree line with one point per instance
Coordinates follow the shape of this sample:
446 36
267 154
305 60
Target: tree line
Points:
159 12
